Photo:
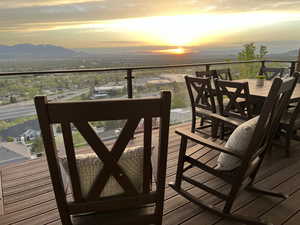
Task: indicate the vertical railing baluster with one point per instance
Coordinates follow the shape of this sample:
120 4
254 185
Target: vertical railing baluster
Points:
129 78
207 67
292 68
263 65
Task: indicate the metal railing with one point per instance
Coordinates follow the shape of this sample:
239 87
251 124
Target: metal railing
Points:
129 70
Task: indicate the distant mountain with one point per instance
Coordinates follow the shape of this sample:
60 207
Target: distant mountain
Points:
285 55
30 51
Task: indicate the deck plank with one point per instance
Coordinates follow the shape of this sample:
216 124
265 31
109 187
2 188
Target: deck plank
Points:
29 199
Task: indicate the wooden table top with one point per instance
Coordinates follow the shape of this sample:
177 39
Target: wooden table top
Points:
263 91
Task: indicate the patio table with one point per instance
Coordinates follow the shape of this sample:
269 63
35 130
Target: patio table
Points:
261 92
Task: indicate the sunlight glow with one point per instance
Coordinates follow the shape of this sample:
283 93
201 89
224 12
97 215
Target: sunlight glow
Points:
176 51
180 30
188 30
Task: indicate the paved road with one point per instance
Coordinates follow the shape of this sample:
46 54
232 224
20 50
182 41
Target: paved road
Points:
22 109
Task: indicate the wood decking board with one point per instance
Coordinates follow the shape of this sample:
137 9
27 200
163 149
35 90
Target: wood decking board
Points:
27 203
293 220
1 196
29 199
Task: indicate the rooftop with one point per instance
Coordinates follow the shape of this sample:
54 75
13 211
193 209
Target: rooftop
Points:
28 198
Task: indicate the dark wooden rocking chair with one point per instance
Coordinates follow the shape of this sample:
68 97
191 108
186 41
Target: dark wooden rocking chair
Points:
290 121
142 205
244 175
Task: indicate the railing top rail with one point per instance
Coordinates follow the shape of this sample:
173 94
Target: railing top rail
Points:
40 73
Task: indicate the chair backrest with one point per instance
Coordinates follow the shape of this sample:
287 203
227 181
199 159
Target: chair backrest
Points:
295 105
79 115
203 74
233 99
222 74
200 92
272 72
269 118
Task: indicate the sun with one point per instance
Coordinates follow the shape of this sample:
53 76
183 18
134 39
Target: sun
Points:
175 51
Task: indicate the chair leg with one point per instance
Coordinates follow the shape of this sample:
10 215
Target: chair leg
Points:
201 121
214 128
180 163
193 124
222 131
232 195
288 137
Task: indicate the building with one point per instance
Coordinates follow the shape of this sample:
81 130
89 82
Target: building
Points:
103 92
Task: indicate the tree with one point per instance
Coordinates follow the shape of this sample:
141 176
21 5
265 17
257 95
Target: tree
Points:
10 139
262 52
12 99
249 53
37 146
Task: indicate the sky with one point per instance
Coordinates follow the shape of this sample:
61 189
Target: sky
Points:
115 23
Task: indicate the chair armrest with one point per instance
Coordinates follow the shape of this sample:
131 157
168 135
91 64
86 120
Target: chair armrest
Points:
229 120
203 141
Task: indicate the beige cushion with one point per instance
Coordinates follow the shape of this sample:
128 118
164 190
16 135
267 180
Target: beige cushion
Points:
238 142
89 165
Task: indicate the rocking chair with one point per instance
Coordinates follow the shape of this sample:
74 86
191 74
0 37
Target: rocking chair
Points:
133 201
248 159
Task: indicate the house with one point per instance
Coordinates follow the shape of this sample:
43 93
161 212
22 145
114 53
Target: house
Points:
29 135
19 129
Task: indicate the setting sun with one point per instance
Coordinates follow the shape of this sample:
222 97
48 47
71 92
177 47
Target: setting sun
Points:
176 51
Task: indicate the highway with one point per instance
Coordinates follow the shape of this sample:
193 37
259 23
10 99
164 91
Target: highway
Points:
23 109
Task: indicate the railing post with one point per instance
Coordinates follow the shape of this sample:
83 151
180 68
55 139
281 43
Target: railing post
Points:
207 67
263 65
298 63
129 78
292 68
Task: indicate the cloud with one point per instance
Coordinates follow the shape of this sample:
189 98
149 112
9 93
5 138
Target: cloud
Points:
4 4
33 16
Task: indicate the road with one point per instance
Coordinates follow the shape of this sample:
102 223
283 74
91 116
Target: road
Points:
22 109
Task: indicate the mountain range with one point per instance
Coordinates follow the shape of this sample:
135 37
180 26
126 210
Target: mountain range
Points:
30 51
25 51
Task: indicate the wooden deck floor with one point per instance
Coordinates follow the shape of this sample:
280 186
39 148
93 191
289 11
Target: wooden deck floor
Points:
28 198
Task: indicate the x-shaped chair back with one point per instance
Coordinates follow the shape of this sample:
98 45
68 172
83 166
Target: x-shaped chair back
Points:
79 114
233 98
203 74
200 92
222 74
